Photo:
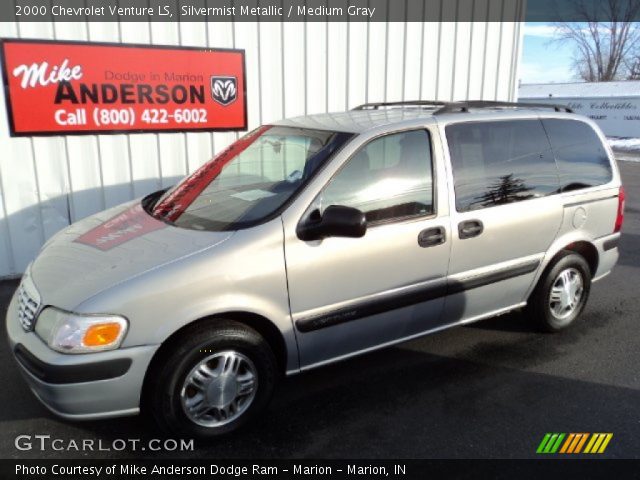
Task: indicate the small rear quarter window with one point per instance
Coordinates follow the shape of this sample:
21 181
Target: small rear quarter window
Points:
581 158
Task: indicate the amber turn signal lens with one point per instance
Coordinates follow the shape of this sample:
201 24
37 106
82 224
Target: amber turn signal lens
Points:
101 334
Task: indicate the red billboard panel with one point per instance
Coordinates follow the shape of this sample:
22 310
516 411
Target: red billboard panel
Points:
59 88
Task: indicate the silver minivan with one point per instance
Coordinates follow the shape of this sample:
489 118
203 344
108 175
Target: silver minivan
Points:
311 240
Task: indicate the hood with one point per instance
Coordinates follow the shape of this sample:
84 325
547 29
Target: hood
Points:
108 248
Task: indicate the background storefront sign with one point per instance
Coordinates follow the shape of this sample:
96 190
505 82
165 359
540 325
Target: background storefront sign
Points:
77 87
616 116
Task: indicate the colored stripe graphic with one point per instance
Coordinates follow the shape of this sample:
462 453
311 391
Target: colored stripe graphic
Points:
567 443
605 443
556 445
543 443
598 442
581 443
574 443
550 443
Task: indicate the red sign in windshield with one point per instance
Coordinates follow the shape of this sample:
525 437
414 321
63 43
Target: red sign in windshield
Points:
174 204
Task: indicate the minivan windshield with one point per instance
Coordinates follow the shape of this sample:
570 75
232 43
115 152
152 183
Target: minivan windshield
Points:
250 180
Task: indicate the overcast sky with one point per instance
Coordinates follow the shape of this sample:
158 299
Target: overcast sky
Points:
544 61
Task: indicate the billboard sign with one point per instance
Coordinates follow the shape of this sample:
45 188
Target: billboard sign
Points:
60 88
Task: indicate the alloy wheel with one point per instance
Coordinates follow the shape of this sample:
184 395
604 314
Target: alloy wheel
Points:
566 293
219 389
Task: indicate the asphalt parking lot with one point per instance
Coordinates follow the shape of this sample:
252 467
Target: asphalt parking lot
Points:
490 390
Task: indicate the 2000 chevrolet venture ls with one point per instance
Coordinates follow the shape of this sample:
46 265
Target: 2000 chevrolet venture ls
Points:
311 240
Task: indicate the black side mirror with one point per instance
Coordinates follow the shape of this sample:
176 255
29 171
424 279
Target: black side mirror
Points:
337 221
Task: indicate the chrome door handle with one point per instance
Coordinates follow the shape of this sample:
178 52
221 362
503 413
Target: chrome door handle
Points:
470 229
431 237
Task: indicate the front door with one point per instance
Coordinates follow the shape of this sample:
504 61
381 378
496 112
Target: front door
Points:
351 294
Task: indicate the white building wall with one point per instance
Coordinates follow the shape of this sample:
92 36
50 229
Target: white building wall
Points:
292 69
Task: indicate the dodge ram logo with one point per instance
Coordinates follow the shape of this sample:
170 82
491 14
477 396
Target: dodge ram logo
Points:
224 90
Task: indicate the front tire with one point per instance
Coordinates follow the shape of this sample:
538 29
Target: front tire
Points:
561 293
217 377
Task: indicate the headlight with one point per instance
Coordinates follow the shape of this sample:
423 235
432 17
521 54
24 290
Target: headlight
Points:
73 333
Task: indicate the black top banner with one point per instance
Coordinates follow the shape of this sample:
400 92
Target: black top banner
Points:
316 10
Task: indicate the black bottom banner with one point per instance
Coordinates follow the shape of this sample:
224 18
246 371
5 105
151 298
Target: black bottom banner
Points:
329 469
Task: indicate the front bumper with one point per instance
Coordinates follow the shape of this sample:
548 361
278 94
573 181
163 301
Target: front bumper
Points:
82 386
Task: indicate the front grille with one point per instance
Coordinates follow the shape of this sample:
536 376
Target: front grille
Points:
28 304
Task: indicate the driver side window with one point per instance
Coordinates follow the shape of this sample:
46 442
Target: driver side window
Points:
390 178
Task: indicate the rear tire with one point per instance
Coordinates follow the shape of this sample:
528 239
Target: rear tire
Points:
561 294
218 376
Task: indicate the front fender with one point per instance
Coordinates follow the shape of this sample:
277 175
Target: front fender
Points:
246 274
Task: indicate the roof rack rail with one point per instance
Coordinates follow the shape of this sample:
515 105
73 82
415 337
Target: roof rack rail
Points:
406 103
464 106
461 106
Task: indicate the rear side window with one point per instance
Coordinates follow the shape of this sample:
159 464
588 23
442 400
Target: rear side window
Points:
500 162
582 160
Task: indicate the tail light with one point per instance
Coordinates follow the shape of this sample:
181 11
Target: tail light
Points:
620 215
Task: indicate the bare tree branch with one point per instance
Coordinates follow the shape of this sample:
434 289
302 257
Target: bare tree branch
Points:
606 39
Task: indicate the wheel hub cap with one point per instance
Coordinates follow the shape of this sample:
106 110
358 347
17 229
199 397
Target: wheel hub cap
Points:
566 293
219 388
222 391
